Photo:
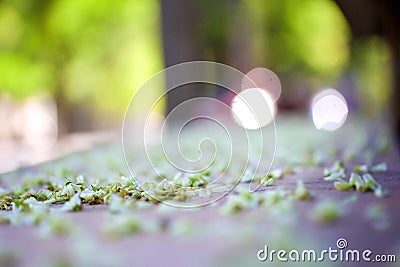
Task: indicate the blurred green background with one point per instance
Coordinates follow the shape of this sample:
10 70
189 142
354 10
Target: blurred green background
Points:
90 56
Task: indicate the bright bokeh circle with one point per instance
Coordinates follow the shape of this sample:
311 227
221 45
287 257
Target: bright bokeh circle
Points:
329 110
253 108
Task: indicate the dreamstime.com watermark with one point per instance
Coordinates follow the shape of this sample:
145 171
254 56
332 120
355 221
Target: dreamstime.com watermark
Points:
341 253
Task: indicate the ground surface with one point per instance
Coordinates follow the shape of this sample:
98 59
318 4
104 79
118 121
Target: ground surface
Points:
135 232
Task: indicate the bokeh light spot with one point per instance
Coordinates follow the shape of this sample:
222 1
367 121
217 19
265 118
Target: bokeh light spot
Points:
253 108
265 79
329 110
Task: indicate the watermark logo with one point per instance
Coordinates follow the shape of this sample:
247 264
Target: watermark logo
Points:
204 142
341 243
339 254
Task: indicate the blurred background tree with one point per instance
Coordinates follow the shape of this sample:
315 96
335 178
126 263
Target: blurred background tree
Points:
91 56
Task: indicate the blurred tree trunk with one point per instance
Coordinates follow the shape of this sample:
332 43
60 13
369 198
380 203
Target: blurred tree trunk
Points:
181 43
204 30
71 117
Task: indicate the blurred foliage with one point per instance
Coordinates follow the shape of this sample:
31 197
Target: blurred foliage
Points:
373 70
310 42
310 36
97 53
89 52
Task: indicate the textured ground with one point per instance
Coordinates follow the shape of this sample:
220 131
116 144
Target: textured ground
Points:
134 232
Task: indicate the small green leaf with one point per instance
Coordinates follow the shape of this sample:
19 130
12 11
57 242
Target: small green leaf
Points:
379 192
334 176
342 185
353 178
326 211
360 168
381 167
369 181
276 174
267 181
74 204
302 192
